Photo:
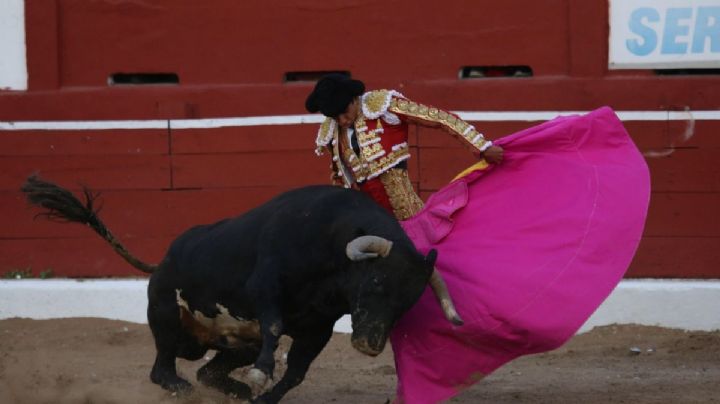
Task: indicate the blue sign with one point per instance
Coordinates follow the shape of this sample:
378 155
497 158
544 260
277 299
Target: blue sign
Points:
666 33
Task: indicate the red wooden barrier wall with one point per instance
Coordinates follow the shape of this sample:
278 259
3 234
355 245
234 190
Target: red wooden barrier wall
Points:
231 58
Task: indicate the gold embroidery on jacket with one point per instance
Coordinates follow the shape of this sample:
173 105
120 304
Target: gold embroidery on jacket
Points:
372 152
403 199
376 101
338 164
328 130
373 159
366 138
437 117
388 161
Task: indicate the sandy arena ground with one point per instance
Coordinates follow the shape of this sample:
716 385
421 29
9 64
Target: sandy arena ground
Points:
103 361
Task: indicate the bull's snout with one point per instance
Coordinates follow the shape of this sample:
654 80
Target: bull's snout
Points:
370 331
371 343
362 345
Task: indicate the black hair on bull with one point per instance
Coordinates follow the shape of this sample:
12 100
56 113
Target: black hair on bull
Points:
290 266
63 206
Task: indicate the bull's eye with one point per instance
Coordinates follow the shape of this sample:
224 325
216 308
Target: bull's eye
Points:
377 284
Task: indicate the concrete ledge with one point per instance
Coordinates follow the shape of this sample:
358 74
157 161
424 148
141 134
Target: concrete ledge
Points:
690 305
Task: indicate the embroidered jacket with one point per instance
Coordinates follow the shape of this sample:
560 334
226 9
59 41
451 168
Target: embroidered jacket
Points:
381 130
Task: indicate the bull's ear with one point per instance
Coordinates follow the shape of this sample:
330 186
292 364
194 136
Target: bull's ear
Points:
431 257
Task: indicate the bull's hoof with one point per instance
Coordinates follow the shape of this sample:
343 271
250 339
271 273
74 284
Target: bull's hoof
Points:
174 384
258 380
264 399
226 384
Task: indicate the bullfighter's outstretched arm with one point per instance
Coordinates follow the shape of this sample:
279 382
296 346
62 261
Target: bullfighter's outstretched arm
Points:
428 116
432 117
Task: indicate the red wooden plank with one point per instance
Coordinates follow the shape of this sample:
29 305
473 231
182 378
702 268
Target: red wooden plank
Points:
413 132
91 257
685 170
413 165
703 134
683 215
87 28
439 166
547 93
245 139
97 172
42 21
282 168
585 41
437 138
277 138
227 100
83 142
677 257
137 213
19 220
647 135
659 138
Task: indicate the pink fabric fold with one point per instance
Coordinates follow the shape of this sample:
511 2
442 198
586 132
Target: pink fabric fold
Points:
438 220
529 249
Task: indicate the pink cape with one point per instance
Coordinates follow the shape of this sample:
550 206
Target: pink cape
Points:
529 249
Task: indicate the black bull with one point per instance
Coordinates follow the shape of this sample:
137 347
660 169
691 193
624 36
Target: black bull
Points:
292 266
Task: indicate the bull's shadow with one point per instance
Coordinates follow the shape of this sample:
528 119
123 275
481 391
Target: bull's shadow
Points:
292 266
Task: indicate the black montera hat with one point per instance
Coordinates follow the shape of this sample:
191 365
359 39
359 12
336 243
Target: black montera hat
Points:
333 93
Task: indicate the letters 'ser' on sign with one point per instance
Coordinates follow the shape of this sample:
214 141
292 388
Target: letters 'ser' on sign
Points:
674 34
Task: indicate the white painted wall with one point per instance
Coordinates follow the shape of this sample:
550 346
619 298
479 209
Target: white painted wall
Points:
690 305
13 59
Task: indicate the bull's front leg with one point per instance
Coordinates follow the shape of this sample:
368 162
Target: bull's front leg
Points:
264 289
304 350
271 327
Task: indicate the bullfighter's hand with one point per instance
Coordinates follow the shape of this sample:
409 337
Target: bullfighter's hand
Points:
493 154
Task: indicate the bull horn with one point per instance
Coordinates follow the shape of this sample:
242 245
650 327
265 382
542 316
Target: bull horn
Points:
439 288
365 247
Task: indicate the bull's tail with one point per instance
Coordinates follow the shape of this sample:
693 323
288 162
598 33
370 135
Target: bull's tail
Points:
61 205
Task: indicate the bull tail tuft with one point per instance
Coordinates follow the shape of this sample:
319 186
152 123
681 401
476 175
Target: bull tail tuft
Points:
62 206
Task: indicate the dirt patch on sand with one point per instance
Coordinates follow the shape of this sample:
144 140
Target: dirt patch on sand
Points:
104 361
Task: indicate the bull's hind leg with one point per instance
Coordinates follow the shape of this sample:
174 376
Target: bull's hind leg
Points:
216 373
167 330
165 374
